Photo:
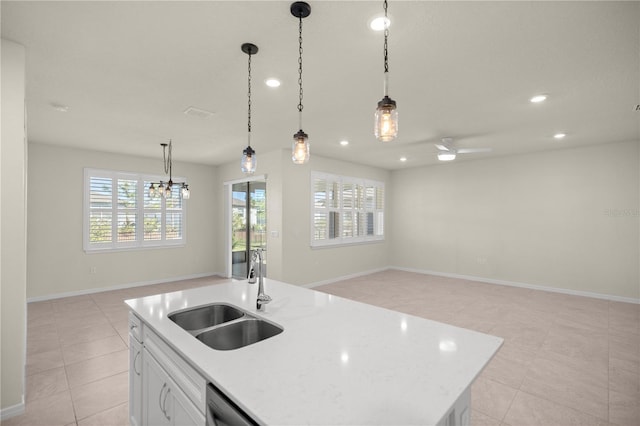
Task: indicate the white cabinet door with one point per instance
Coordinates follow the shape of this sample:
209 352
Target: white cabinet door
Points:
135 382
164 402
155 388
185 413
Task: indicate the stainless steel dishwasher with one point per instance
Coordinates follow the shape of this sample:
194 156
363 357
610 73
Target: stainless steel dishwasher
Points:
221 411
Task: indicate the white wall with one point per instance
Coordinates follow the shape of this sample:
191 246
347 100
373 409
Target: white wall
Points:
567 219
13 229
57 263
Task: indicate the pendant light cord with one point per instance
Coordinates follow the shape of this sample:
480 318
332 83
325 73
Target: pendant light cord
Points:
300 70
167 164
386 51
249 100
386 36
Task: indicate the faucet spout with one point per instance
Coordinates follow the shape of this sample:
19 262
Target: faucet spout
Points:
262 298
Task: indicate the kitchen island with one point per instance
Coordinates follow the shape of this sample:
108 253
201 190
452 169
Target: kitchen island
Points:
336 362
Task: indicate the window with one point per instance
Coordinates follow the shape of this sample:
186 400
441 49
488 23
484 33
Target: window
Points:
120 214
345 210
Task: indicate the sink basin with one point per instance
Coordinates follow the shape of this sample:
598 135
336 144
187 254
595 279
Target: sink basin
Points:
224 327
206 316
239 334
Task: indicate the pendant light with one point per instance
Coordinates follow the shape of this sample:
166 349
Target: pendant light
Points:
248 162
164 189
386 123
300 148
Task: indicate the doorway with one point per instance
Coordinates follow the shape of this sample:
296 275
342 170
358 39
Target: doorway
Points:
248 224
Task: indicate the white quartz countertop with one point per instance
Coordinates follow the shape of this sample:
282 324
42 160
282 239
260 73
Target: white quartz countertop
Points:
336 362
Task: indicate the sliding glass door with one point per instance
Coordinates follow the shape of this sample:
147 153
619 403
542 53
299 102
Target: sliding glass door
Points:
248 224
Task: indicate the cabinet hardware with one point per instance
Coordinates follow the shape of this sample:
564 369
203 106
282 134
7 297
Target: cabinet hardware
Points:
164 404
160 399
134 363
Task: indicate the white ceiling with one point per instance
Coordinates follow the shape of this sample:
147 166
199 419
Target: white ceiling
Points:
128 70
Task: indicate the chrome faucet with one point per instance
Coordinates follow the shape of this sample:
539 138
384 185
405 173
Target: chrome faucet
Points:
262 298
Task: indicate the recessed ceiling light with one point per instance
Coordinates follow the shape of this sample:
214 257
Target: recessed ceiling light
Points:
559 135
538 98
344 142
272 82
60 107
379 23
403 159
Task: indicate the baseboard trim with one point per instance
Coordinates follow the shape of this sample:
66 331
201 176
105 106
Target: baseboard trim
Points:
14 410
350 276
344 277
120 287
522 285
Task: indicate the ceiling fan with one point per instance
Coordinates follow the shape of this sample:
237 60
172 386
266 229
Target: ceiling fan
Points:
446 151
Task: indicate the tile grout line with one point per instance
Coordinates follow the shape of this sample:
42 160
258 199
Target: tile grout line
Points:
557 402
126 344
527 371
66 373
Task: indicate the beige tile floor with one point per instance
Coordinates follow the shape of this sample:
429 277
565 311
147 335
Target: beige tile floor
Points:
566 360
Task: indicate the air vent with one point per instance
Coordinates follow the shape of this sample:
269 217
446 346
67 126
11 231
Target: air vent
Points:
198 112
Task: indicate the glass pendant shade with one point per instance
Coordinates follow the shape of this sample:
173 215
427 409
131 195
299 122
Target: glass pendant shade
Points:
185 192
300 148
386 120
152 191
167 191
248 162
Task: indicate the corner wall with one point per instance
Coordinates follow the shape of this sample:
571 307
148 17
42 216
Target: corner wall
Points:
290 256
304 265
13 230
567 219
57 263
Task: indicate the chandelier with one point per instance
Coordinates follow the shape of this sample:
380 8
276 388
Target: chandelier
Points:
162 188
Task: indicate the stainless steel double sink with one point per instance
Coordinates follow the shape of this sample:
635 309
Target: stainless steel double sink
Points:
224 327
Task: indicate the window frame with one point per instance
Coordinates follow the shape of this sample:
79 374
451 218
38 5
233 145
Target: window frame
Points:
336 212
140 209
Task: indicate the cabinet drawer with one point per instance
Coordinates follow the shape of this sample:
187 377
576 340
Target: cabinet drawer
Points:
187 378
135 326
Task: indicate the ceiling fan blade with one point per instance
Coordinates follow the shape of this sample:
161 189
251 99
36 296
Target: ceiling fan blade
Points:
473 150
441 147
